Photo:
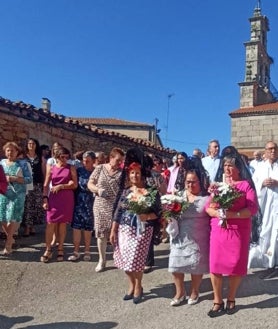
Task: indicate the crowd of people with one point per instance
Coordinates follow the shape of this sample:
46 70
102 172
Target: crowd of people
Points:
118 198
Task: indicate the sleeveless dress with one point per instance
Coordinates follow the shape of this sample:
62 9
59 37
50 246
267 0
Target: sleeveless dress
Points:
60 204
12 202
83 217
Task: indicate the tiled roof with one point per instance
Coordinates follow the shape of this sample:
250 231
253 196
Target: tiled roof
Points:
266 109
109 122
30 112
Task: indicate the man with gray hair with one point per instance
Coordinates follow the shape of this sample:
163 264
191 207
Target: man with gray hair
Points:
265 177
212 160
197 153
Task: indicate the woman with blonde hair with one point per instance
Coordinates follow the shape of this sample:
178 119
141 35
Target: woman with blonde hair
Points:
12 202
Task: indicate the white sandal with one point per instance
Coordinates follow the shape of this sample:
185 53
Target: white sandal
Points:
74 257
100 267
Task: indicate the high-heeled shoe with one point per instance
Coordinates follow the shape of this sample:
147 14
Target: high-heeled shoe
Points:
138 299
217 310
60 255
7 251
46 256
231 307
177 301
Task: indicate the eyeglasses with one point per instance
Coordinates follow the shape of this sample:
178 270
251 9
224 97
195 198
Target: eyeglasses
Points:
63 157
271 148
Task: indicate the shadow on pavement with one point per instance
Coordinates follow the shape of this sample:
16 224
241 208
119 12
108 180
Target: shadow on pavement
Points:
73 325
8 322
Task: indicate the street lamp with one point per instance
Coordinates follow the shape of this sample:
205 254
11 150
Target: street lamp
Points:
167 119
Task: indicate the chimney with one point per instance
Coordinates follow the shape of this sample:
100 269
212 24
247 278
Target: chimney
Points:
46 104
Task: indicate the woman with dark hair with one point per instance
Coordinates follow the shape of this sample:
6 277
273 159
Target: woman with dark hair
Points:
177 173
229 244
189 249
83 217
132 231
58 201
33 211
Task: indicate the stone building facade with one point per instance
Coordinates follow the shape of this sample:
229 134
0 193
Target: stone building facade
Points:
255 122
20 121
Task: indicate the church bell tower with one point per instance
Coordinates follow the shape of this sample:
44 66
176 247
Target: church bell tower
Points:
256 88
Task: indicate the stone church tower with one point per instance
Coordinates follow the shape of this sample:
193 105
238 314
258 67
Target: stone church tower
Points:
256 121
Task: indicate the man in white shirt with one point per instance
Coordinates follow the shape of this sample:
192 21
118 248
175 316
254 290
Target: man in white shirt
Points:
266 182
212 160
256 161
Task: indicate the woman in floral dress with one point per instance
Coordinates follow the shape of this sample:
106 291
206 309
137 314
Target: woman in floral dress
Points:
105 183
83 217
131 238
12 202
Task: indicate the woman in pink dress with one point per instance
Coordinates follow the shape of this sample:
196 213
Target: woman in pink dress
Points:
229 245
58 201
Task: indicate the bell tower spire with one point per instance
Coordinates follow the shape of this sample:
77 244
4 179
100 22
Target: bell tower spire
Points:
255 89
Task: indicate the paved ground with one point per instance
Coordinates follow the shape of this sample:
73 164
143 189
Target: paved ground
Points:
72 296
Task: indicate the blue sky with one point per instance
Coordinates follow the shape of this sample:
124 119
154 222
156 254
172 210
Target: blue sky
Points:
122 58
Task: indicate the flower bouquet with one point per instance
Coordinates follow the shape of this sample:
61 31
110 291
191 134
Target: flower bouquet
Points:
172 207
223 197
140 201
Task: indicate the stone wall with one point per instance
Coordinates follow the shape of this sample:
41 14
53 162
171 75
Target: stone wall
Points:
253 131
20 121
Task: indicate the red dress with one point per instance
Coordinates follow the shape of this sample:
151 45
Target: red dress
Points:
229 246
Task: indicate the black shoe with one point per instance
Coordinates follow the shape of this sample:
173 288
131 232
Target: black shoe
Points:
128 296
217 310
138 299
231 307
269 273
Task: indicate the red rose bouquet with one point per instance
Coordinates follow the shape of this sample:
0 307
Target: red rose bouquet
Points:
172 206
